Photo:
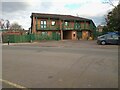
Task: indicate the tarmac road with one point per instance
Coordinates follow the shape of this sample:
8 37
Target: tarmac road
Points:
60 67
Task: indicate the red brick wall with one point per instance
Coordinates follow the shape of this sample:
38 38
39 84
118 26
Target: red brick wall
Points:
59 23
34 25
12 33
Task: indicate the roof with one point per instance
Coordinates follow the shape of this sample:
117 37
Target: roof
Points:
62 17
100 26
58 16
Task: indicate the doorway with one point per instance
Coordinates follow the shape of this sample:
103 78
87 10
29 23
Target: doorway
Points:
67 34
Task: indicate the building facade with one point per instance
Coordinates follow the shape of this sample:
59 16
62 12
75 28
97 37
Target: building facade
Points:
100 28
67 26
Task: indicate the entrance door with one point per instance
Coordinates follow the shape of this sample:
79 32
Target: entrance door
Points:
67 34
85 34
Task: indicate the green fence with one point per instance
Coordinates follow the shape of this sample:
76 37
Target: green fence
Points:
29 38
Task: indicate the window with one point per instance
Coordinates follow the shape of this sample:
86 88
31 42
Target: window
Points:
103 36
66 23
115 36
53 23
77 25
109 36
43 24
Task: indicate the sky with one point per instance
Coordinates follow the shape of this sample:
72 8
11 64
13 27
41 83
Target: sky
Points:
20 10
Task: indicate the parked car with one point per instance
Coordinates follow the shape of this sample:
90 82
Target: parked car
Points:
109 38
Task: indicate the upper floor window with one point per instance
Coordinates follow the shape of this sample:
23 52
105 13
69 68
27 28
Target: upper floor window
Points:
53 23
43 23
66 23
77 25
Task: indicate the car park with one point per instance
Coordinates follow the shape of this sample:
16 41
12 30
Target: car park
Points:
109 38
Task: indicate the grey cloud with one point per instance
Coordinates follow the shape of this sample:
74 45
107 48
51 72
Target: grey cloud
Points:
9 7
98 20
45 6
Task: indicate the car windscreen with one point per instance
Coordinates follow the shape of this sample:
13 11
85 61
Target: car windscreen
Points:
103 36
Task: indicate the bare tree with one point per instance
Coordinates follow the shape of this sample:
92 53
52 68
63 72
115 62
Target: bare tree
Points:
7 25
2 26
110 2
15 26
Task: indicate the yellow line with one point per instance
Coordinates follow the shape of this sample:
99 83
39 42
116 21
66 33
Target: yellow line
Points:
13 84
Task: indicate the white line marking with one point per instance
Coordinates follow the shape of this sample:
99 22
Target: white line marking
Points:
13 84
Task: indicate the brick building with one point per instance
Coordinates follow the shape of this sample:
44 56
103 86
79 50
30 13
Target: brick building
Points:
100 28
67 26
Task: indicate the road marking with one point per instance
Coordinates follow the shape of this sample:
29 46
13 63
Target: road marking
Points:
13 84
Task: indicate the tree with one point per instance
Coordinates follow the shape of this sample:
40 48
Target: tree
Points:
7 24
105 30
4 24
113 19
16 26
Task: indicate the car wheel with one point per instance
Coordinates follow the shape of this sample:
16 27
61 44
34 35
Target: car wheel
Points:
103 42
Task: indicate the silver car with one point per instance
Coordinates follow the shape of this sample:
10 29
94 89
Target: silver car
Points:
108 39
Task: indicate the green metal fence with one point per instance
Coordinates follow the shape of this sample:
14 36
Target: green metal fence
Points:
29 38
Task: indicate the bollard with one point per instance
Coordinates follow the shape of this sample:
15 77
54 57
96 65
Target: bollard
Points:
8 42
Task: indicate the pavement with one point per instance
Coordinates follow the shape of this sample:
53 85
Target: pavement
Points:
65 43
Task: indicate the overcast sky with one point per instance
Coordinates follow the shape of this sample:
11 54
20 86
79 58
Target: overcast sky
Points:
20 10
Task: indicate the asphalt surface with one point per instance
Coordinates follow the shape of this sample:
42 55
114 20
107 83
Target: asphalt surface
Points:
83 65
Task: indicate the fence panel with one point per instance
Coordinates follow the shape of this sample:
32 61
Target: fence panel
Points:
4 38
11 38
28 38
55 36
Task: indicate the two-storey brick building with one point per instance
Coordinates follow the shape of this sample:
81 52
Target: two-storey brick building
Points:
67 26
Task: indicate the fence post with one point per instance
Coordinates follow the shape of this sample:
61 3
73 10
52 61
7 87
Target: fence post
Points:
8 40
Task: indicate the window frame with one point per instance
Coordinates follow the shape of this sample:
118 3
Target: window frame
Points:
43 24
115 36
53 23
77 25
66 23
